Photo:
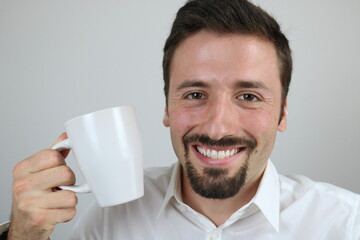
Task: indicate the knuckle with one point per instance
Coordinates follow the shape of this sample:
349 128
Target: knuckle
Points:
66 215
21 185
18 168
25 204
72 213
71 198
66 172
55 158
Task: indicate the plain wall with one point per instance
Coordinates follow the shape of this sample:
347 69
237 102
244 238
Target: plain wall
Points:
61 59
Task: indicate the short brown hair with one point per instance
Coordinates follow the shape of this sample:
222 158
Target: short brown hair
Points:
227 16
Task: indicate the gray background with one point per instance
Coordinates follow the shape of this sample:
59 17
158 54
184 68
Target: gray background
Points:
60 59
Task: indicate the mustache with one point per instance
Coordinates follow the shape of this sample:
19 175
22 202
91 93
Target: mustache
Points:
226 141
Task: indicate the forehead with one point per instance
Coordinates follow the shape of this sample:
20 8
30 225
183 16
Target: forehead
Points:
209 56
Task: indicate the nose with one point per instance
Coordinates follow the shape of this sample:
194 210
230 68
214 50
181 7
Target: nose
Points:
220 119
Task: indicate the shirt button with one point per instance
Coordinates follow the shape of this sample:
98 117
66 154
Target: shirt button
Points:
214 236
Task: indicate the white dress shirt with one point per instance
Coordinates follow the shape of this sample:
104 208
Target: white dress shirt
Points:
283 208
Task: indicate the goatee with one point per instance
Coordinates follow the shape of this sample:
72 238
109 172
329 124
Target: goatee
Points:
214 182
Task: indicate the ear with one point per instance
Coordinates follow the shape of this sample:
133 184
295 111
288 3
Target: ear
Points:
283 121
166 120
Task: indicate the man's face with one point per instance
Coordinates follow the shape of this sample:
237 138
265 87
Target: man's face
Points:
223 110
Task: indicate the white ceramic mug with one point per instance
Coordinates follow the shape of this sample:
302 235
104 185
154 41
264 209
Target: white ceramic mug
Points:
107 146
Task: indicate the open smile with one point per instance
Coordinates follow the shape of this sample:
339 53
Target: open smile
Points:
217 156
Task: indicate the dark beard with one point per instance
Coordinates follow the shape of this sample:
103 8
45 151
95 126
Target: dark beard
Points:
214 183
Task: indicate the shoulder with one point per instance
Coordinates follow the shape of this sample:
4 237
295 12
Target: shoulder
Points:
158 178
320 204
97 221
158 174
299 186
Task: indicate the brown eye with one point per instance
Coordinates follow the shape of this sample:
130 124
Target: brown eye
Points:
195 96
249 97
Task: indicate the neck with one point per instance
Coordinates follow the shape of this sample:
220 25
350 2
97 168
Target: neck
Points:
217 210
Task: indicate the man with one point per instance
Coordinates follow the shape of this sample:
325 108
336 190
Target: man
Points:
227 69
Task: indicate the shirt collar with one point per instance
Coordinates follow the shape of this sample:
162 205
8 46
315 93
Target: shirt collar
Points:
267 197
174 188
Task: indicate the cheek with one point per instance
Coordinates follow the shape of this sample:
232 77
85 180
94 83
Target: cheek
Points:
261 125
181 121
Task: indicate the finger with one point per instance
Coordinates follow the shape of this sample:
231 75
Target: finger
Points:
62 137
53 216
47 200
53 177
37 184
58 200
40 161
63 215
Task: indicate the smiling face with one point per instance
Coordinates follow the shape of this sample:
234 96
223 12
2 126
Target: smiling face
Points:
223 110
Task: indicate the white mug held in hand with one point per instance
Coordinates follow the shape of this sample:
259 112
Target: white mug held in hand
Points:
107 146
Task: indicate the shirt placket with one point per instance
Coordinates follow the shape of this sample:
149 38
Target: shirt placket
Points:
210 230
214 235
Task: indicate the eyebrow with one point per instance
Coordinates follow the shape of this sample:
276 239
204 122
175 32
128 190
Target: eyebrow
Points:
192 83
250 84
238 84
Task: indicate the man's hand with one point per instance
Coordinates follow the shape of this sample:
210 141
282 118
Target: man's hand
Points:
37 203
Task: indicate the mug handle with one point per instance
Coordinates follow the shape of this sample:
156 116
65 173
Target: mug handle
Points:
65 144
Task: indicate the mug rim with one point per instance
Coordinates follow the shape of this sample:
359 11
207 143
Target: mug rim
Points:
99 111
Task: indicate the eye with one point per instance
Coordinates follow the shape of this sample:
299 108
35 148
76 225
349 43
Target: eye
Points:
195 96
249 97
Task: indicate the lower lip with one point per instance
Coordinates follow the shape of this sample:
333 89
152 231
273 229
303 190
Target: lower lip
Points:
217 162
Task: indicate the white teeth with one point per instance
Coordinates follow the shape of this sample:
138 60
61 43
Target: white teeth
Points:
200 150
227 153
216 154
221 154
208 153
